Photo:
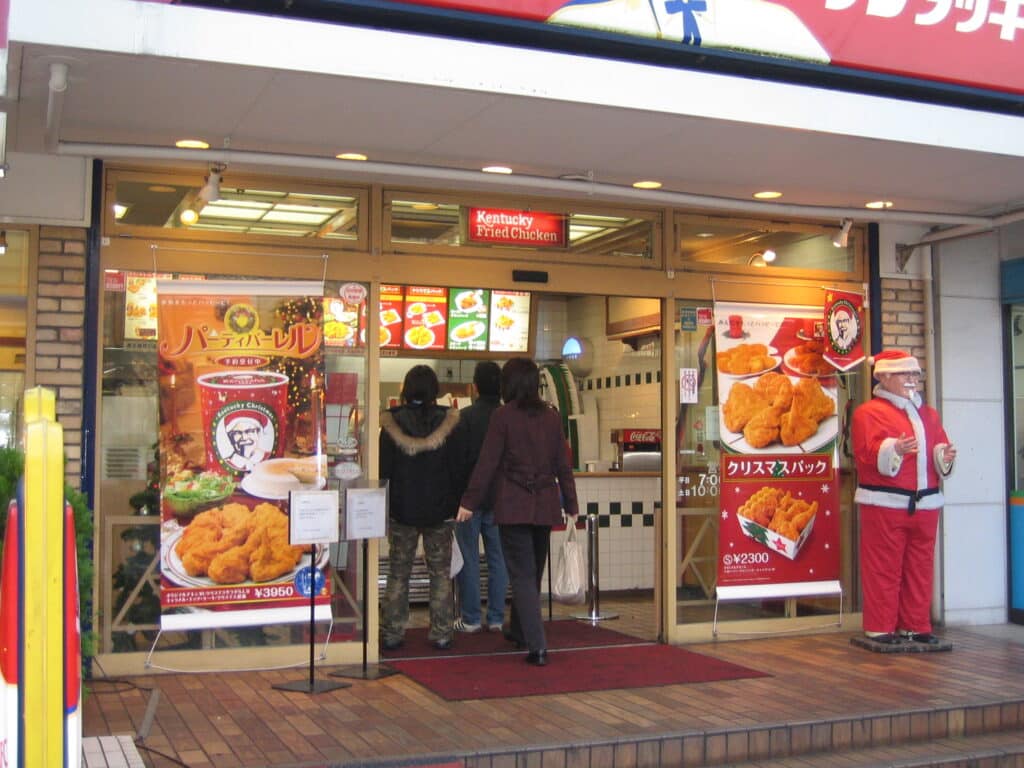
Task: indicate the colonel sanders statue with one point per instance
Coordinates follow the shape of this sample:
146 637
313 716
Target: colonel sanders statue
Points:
902 453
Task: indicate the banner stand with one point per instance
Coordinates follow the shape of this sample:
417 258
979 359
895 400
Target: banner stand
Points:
312 685
365 513
364 671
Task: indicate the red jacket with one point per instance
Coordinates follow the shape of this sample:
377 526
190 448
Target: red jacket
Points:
524 455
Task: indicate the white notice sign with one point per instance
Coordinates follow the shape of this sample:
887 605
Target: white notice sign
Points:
365 513
313 517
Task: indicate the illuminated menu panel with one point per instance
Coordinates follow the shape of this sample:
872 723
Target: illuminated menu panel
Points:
426 317
392 308
510 321
468 310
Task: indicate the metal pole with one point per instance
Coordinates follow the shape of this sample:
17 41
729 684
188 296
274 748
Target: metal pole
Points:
593 576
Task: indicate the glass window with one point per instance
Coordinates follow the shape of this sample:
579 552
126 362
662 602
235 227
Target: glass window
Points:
579 235
235 205
130 415
710 243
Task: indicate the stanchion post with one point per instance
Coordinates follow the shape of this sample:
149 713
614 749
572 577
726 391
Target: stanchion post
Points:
593 576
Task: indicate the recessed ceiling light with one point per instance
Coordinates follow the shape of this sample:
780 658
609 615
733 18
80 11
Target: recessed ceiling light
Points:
705 234
879 204
767 194
191 144
769 256
189 217
160 188
120 210
351 156
496 169
647 184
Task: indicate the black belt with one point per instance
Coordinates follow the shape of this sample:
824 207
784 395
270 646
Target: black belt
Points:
912 496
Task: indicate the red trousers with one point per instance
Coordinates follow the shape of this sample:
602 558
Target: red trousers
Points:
897 556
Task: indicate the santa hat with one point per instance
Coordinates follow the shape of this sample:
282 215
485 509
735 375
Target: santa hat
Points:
895 361
240 419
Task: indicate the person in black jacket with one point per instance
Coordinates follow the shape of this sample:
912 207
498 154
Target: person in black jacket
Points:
422 449
487 381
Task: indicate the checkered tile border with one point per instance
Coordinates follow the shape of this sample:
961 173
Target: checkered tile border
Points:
618 514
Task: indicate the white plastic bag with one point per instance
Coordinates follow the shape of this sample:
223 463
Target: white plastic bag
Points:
457 561
569 585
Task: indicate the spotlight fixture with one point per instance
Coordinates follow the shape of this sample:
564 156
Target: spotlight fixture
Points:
189 216
768 256
842 237
3 242
210 193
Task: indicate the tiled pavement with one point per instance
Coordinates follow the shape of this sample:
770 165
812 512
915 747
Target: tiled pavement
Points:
824 696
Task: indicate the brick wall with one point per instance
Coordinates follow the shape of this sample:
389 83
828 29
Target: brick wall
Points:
60 332
903 316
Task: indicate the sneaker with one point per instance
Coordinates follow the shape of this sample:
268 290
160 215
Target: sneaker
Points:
495 628
464 626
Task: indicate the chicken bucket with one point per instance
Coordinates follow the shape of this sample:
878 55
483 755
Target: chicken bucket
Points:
244 415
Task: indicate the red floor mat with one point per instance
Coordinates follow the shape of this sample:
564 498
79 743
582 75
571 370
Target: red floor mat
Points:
568 671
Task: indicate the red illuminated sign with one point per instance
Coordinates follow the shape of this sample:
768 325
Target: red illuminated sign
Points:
509 227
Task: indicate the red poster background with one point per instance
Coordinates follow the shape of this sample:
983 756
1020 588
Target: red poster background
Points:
749 553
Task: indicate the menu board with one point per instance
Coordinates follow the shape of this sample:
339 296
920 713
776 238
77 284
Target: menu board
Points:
510 321
391 313
468 310
341 324
426 317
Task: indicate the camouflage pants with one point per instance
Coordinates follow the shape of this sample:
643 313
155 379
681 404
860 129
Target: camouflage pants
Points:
437 551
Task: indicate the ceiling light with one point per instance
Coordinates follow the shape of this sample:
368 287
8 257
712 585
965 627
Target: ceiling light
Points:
879 204
351 156
647 184
767 194
496 169
3 242
768 256
189 216
119 211
842 237
191 144
705 234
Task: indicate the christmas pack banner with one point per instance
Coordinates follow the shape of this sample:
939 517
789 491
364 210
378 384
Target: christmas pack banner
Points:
779 424
241 374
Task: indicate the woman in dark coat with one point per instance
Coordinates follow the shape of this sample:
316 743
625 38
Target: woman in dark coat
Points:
526 459
422 451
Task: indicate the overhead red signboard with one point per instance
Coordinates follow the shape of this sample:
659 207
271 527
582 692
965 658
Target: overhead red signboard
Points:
510 227
978 43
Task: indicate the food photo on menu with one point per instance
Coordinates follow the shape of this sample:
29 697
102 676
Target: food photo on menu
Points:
778 393
509 321
426 317
467 319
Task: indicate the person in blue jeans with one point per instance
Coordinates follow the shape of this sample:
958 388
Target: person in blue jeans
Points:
475 418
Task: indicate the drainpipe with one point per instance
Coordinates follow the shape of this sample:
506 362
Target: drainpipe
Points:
55 104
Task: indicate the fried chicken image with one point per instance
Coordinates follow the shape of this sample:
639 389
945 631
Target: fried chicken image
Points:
807 358
232 544
763 427
778 511
776 388
811 399
741 406
745 358
210 533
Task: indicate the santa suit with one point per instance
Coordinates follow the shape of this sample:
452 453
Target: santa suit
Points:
900 498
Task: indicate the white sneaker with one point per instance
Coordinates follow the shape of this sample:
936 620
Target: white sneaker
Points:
464 626
494 627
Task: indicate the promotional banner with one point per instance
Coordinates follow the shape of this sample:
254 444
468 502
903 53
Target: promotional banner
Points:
779 520
844 326
241 377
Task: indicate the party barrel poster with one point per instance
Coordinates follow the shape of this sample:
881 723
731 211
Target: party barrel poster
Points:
241 374
779 424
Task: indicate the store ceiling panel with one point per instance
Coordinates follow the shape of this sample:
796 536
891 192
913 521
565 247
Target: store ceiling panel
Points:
122 99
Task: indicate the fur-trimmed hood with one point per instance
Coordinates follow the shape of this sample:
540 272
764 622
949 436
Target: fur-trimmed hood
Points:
401 427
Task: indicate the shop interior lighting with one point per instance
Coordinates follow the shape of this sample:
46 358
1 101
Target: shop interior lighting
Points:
191 144
351 156
760 259
496 169
877 205
767 194
768 256
119 211
842 238
3 242
647 184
